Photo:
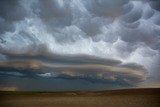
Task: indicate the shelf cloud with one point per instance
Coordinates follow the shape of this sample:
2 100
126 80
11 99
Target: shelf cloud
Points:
89 69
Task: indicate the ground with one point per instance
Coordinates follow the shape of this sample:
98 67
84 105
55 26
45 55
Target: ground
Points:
116 98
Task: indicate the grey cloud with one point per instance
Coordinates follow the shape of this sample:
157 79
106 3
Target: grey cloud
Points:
133 25
41 52
141 35
134 14
28 36
12 73
155 4
133 66
78 32
61 14
136 35
2 57
55 14
156 71
106 8
20 68
34 49
108 71
10 12
104 74
50 84
124 49
136 20
92 26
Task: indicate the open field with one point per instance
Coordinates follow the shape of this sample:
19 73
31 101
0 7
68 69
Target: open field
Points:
117 98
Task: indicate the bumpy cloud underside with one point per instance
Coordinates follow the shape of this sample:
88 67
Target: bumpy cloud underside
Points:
110 41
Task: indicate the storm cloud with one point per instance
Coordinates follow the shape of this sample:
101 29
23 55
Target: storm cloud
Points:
91 69
98 41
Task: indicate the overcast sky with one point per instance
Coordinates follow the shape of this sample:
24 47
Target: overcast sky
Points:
61 45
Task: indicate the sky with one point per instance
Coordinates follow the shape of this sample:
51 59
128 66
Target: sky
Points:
69 45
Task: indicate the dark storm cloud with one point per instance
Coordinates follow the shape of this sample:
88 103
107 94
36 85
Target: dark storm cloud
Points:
11 11
2 57
24 67
106 8
155 4
134 14
95 70
115 42
59 14
54 14
41 52
138 32
50 84
70 59
133 66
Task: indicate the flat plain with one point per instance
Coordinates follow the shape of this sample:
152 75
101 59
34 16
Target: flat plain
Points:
114 98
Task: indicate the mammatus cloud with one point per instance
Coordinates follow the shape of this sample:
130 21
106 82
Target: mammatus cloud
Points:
102 40
10 13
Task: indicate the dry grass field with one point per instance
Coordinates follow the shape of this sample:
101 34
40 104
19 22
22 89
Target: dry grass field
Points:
117 98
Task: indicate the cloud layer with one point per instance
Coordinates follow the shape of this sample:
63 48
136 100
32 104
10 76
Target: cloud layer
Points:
105 41
96 69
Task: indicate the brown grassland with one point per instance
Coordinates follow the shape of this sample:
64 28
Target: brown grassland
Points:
114 98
